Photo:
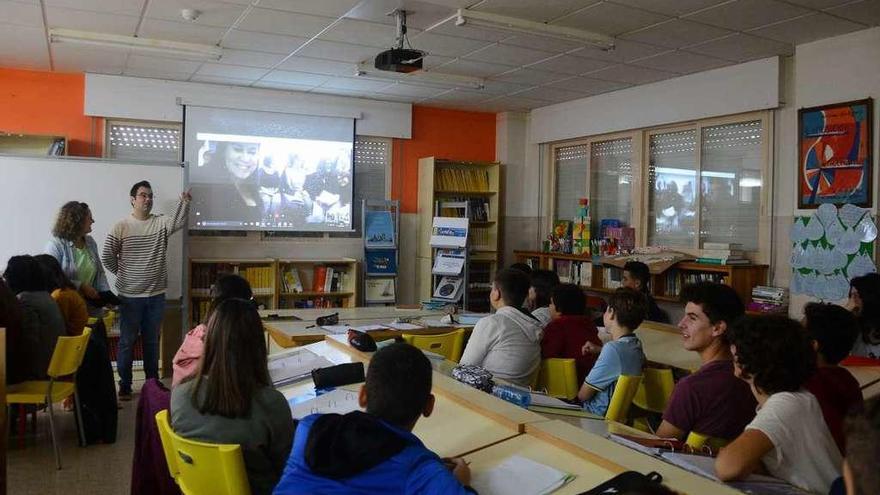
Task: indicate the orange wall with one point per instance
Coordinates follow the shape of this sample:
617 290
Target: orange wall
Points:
453 134
34 102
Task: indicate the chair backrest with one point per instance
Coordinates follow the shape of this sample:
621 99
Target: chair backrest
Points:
68 354
449 345
200 467
698 441
559 377
622 398
655 389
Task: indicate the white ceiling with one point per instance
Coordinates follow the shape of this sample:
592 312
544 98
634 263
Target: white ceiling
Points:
315 45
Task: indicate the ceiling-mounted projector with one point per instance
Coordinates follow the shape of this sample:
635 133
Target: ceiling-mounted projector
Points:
400 59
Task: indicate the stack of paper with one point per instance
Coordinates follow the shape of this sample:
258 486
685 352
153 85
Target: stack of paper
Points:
519 475
289 367
547 401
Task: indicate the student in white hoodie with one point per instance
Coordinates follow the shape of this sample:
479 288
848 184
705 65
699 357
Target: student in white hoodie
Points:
508 342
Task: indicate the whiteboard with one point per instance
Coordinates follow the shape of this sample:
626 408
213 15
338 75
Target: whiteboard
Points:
32 190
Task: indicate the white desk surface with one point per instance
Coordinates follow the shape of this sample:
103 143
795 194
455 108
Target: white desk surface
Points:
387 313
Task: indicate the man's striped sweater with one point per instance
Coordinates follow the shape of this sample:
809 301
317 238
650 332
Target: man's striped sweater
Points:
135 251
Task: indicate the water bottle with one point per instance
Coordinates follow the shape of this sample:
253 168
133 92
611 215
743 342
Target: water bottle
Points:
513 394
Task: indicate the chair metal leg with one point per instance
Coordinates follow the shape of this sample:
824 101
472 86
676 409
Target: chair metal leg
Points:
52 430
79 419
22 425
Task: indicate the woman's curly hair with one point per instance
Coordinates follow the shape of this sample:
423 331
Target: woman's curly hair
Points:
773 350
70 219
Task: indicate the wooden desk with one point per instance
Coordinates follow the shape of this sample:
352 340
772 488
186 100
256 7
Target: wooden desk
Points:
589 446
346 314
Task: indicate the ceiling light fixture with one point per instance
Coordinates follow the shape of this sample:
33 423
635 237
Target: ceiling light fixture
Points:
522 26
164 47
421 76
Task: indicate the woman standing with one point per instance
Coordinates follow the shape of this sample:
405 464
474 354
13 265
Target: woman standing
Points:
77 253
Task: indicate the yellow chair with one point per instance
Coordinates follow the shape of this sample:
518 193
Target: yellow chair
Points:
559 377
66 358
622 397
655 389
200 467
698 441
449 345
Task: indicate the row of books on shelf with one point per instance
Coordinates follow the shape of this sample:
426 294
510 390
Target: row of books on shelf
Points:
259 277
478 209
480 238
766 299
457 179
318 302
324 279
676 279
574 272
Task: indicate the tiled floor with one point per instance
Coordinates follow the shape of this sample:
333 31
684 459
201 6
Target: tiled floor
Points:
96 469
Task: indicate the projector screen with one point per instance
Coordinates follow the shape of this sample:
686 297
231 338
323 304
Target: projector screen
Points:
253 170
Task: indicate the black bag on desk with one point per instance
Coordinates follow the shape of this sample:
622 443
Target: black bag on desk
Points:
628 481
336 376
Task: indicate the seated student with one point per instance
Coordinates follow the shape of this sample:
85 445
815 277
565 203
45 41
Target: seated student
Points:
375 452
71 304
538 300
833 330
231 398
636 275
10 319
788 437
864 301
507 343
42 322
711 401
186 360
860 471
622 356
570 329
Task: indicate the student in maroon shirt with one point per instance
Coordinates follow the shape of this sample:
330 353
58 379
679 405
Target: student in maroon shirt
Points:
833 330
711 401
569 329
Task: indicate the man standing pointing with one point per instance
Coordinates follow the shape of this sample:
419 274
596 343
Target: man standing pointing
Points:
135 251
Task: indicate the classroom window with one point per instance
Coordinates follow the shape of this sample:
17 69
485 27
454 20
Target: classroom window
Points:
372 161
571 179
150 141
672 182
611 180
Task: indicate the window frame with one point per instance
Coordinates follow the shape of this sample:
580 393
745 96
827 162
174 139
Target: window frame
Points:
640 190
108 123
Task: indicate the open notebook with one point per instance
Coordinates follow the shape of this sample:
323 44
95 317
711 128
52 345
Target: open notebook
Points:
289 367
339 401
519 475
755 483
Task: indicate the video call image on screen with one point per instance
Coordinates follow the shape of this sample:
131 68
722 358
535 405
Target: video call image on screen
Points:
267 183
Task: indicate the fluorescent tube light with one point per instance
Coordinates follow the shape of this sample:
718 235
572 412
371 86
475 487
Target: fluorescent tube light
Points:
421 76
165 47
523 26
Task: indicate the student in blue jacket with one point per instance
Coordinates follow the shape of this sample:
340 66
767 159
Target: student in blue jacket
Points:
375 452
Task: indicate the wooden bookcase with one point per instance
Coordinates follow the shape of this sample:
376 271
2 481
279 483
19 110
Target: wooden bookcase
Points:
479 183
265 277
665 286
32 144
343 295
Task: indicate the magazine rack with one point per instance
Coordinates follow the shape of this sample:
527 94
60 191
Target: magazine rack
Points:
449 244
381 227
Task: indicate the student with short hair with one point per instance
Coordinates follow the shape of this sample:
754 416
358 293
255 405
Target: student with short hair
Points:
788 437
72 305
864 301
508 342
375 451
538 300
570 329
523 267
41 320
860 471
231 398
636 275
710 401
622 356
832 330
186 360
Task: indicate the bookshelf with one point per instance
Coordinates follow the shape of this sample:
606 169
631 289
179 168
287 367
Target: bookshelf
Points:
270 283
338 289
32 145
664 287
478 184
260 273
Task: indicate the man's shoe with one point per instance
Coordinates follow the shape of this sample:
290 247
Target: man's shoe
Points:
125 396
